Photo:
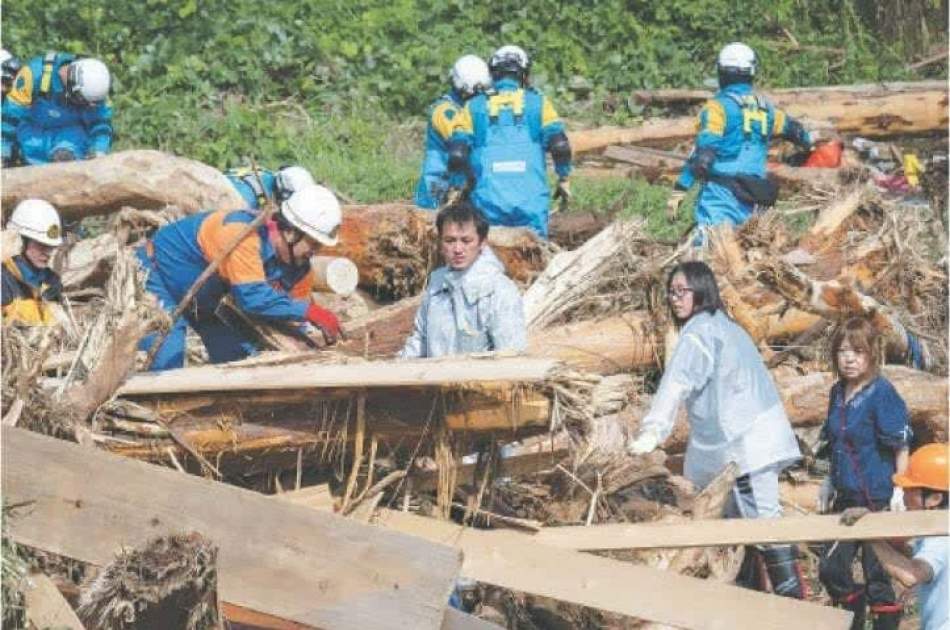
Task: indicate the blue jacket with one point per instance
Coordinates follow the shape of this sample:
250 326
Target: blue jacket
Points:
434 181
38 120
260 284
865 435
254 192
737 125
509 132
27 293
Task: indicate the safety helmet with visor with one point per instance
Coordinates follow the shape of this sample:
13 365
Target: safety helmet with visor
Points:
290 179
10 65
470 75
38 220
315 212
510 59
87 82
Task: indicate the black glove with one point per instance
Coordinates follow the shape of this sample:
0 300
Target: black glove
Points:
702 162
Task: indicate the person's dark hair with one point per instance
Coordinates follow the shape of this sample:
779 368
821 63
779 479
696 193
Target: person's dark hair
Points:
462 212
701 280
861 335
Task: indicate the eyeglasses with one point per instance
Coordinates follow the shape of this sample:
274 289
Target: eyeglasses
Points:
678 293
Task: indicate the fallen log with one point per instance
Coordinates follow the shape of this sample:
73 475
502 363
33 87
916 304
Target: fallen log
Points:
394 246
744 531
141 179
289 561
866 110
511 560
836 300
622 343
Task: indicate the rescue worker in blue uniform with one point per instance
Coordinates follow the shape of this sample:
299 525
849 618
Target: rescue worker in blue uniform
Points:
268 274
57 111
729 158
10 65
500 144
469 77
278 186
31 290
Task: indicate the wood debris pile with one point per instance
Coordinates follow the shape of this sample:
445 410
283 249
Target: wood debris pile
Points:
510 446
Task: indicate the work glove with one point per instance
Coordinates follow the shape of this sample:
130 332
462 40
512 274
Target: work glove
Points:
563 193
645 443
452 197
814 137
826 495
326 321
674 202
897 501
852 515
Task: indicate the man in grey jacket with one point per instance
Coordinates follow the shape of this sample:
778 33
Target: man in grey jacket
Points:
469 305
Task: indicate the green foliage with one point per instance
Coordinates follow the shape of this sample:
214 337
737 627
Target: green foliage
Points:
328 82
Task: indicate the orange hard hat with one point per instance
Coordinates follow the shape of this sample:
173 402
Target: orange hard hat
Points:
929 467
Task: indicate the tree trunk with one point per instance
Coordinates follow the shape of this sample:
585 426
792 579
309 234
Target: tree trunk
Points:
141 179
394 246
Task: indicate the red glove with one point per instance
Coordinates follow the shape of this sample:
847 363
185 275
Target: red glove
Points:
325 321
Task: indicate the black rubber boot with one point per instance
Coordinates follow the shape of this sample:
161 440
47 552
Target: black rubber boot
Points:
887 620
856 604
750 573
785 573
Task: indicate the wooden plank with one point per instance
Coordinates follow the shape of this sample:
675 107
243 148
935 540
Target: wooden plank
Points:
457 620
725 532
515 561
45 605
274 557
322 375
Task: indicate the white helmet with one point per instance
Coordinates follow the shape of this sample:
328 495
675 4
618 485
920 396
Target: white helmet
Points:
315 211
9 64
87 81
511 59
38 220
470 75
737 58
290 179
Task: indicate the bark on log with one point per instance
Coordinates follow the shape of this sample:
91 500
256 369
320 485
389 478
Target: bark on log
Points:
394 246
866 110
141 179
836 300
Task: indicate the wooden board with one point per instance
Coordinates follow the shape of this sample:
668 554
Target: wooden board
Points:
45 605
514 561
419 373
724 532
274 557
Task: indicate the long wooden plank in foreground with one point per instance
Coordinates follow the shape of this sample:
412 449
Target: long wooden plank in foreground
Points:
723 532
514 561
322 375
275 557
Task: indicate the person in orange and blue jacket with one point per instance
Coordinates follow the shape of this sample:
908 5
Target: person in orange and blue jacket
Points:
268 274
469 77
57 111
31 290
731 151
499 146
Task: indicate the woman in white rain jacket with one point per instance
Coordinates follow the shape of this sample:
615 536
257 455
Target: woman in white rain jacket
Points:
735 415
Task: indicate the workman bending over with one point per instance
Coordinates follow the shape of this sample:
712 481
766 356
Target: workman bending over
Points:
268 274
31 290
735 128
57 111
500 142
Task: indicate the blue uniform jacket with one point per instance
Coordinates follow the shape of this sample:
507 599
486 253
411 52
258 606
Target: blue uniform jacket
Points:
509 132
738 126
255 276
38 120
246 183
434 182
865 435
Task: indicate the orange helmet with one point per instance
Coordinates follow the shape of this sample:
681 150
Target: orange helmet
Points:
928 467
